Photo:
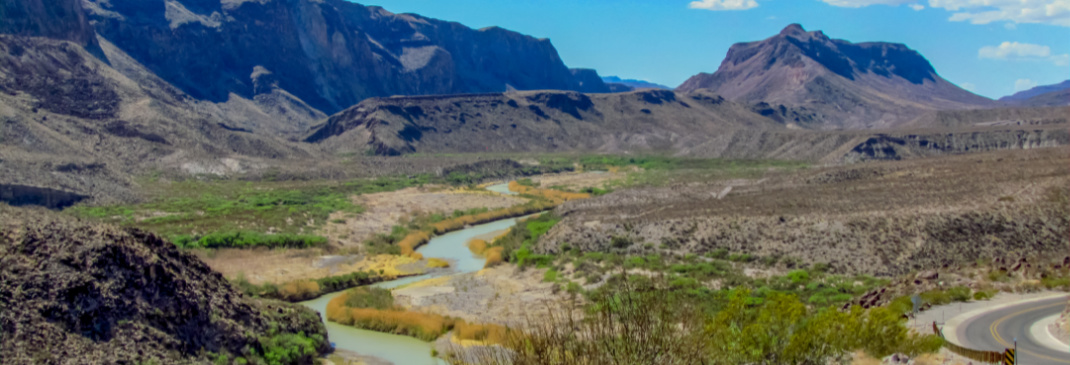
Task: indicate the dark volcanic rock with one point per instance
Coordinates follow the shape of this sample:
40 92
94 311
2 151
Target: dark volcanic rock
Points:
852 85
77 293
331 54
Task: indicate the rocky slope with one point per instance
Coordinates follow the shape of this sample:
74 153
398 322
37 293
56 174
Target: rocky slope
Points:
695 124
536 121
71 121
848 85
72 292
887 218
330 54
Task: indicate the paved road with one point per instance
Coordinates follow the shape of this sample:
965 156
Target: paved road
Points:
996 331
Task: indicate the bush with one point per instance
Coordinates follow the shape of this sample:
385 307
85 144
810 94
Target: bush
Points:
550 276
798 277
249 239
959 294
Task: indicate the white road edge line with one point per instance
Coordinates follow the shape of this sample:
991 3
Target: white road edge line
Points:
1043 335
950 328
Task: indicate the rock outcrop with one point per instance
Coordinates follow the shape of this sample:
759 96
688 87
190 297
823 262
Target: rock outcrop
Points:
330 54
849 85
72 292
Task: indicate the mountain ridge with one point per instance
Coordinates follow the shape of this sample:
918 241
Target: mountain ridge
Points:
853 85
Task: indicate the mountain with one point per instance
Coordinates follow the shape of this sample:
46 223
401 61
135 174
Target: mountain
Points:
634 84
75 292
330 54
848 85
589 81
1036 91
699 124
536 121
1047 95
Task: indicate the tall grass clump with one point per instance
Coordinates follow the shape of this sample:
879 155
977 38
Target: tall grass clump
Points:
374 309
249 239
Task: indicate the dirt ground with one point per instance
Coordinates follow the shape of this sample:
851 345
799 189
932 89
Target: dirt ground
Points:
384 210
502 295
282 266
576 181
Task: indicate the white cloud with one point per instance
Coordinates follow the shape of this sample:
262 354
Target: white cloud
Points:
916 7
1024 84
1014 50
723 4
968 86
864 3
1023 52
1010 26
1053 12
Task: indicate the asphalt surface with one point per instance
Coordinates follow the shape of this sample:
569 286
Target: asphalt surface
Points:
996 331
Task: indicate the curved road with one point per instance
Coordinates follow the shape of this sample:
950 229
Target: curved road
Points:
996 330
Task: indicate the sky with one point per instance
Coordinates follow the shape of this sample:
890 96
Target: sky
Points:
991 47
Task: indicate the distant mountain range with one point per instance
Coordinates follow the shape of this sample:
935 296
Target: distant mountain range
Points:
632 84
846 85
1047 95
93 92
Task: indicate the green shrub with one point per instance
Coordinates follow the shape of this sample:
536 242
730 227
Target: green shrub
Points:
249 239
798 277
550 276
959 294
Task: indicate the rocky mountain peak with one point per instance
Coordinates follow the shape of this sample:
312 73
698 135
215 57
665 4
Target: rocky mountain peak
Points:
797 67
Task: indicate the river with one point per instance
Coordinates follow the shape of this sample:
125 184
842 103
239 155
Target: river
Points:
405 350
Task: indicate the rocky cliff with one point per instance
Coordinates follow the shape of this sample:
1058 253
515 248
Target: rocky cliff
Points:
330 54
56 19
849 85
72 292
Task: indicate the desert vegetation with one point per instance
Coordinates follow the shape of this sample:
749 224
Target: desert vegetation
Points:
636 319
374 309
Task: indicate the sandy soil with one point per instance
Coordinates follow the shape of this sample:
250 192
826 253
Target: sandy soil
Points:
282 266
384 210
502 295
575 181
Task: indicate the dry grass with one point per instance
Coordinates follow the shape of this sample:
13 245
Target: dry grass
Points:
453 224
485 333
412 241
555 196
296 290
477 246
425 326
494 256
437 263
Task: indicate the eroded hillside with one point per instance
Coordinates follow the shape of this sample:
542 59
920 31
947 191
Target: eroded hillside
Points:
73 292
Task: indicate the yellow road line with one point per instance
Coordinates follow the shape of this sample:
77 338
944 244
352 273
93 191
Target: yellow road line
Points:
995 334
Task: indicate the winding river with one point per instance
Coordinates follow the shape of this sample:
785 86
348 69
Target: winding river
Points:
404 350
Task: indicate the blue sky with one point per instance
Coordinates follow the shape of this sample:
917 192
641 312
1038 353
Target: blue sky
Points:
992 47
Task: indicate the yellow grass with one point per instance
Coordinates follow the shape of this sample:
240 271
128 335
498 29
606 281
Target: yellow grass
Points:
555 196
486 333
493 255
454 224
298 289
477 246
412 241
416 255
433 263
425 326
